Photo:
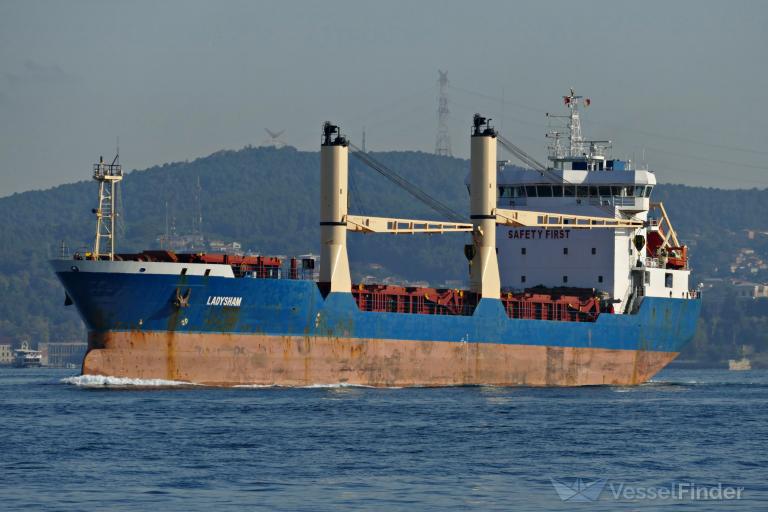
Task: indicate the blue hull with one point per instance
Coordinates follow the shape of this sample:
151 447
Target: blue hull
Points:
145 303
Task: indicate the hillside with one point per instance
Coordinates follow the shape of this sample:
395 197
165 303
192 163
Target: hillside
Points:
266 199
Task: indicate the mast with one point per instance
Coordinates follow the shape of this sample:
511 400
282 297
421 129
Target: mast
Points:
577 147
108 176
484 265
334 262
574 123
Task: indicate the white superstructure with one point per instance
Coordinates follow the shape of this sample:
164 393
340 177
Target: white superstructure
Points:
582 179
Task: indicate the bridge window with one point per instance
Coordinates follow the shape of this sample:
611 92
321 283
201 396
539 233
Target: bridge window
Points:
579 166
647 277
605 191
668 280
544 190
207 272
530 190
569 191
592 191
648 191
582 191
184 271
639 191
557 190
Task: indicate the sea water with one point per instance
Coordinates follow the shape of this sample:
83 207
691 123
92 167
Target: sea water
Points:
102 443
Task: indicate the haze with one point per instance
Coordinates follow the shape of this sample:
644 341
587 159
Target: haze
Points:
683 83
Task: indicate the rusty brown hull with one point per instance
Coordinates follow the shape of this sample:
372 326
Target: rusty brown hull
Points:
232 359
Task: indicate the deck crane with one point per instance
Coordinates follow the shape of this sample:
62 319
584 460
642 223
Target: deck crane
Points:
335 219
518 218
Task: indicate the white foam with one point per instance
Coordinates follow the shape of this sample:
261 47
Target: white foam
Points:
673 382
339 385
94 381
98 381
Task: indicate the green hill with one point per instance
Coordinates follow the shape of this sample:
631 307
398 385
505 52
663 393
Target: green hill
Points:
267 199
264 198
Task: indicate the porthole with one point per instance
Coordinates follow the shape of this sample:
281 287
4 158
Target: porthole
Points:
74 268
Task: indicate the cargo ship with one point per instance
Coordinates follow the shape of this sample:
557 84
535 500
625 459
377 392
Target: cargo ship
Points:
575 278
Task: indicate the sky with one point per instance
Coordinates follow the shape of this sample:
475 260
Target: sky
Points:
680 86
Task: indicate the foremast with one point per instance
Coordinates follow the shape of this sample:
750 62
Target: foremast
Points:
108 176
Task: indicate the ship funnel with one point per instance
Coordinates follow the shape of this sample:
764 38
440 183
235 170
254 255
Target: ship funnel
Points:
334 172
484 265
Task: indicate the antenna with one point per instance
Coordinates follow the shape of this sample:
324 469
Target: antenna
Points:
443 139
119 210
503 108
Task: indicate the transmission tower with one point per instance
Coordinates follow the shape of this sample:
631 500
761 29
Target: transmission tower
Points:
443 141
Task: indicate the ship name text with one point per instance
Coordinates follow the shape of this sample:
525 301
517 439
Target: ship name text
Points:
224 301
